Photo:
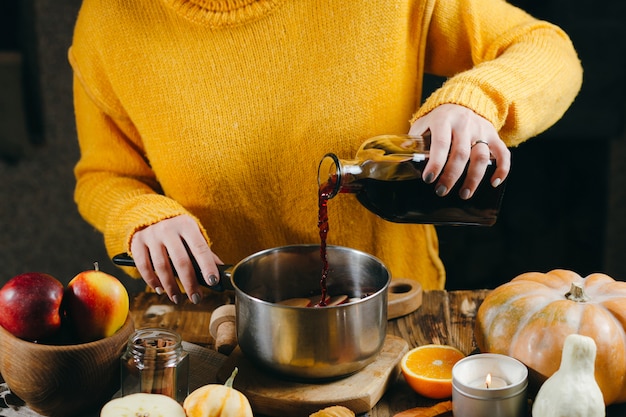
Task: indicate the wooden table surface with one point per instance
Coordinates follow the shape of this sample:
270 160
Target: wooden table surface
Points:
444 318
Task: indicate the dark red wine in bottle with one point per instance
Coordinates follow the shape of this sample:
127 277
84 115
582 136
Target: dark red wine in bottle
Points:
386 178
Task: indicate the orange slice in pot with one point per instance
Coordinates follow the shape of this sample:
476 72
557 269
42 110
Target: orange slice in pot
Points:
295 302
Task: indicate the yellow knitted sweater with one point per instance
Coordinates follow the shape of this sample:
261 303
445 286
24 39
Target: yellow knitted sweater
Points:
222 109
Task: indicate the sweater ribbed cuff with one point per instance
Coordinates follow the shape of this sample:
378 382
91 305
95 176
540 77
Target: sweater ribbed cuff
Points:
139 213
464 94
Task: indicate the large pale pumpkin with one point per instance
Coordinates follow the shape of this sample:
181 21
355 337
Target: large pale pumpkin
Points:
529 318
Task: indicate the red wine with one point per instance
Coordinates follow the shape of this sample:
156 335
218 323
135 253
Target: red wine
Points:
414 201
410 200
322 223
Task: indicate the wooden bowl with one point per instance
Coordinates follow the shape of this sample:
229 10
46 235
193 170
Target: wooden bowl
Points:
63 380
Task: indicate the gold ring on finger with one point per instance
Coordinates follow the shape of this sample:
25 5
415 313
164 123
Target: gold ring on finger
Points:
479 141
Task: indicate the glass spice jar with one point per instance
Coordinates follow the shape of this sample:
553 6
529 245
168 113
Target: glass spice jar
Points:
155 362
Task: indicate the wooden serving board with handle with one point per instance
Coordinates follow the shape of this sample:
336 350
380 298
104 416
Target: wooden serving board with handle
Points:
272 396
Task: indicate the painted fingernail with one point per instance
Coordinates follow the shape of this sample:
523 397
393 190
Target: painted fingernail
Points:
158 290
496 182
441 190
212 280
175 298
430 177
195 298
465 193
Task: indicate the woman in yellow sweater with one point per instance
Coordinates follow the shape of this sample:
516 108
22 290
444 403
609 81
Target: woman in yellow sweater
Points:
201 123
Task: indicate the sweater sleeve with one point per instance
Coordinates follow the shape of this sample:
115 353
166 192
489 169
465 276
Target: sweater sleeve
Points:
116 190
518 72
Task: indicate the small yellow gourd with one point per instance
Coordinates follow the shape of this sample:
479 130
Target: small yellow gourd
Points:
214 400
572 391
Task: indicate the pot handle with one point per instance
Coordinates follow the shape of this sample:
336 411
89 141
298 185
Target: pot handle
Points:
124 259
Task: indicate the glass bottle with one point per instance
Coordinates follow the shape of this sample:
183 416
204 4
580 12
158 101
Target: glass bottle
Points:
155 362
386 178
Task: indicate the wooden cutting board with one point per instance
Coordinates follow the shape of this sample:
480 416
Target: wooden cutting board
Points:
269 395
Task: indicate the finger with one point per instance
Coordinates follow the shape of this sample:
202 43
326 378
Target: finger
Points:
419 128
440 142
163 269
199 249
206 260
502 155
480 157
455 165
142 261
181 259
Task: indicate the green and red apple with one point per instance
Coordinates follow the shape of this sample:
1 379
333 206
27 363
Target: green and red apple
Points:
30 306
96 304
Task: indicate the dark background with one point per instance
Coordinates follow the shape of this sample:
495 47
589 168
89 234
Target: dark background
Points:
563 205
564 202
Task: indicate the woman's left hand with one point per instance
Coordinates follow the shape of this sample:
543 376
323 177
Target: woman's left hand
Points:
459 135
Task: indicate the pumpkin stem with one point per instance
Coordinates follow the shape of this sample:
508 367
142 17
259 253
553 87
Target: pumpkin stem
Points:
231 378
577 293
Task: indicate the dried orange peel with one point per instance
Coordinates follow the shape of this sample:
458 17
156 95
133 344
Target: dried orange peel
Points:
437 410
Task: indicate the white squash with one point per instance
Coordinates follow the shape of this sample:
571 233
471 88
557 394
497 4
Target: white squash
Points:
572 391
144 405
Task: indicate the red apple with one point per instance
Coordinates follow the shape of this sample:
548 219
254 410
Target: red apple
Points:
30 305
96 304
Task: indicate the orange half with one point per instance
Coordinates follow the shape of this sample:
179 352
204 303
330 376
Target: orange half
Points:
428 369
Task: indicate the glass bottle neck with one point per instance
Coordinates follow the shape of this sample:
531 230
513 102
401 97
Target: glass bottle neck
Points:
336 175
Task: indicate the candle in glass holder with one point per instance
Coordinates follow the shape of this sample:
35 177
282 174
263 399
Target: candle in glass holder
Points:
489 385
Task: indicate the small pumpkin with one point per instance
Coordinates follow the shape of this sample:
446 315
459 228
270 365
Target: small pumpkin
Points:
572 390
144 405
214 400
529 318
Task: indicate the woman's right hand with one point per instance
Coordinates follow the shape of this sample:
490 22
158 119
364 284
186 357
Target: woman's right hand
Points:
455 131
174 239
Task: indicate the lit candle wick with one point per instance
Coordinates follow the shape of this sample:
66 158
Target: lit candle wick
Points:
488 380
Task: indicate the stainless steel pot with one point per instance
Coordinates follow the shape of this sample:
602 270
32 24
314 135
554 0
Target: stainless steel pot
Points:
307 343
310 342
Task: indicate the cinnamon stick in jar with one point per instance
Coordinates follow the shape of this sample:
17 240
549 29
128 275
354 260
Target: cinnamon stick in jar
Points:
155 363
